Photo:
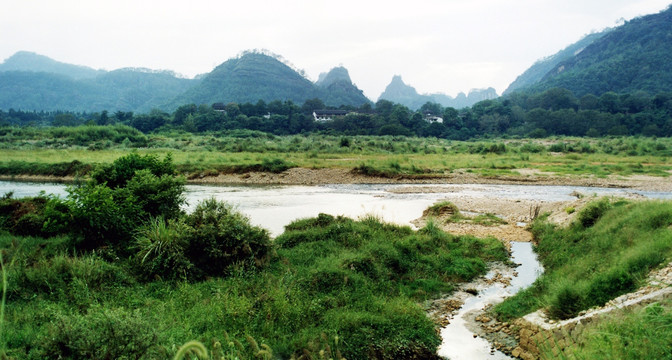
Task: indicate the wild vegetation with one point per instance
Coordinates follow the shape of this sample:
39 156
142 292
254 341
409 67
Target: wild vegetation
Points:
63 151
608 251
116 270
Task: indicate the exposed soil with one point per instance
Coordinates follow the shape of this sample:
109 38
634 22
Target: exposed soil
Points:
306 176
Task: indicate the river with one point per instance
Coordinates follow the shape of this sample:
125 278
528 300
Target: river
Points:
273 207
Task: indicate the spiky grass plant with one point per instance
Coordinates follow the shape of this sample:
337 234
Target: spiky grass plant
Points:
161 247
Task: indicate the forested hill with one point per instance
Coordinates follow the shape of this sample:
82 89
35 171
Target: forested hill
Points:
540 68
258 76
30 81
636 56
124 90
337 89
249 78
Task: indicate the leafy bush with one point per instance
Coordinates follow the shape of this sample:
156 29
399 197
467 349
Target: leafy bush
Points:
124 168
275 166
222 238
120 196
443 208
33 216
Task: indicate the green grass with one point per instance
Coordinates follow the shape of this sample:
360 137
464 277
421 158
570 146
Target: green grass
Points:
362 282
643 333
28 150
607 252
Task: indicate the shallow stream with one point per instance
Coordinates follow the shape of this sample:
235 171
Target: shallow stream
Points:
458 342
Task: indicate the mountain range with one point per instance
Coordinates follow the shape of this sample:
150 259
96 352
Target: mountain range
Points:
636 56
31 81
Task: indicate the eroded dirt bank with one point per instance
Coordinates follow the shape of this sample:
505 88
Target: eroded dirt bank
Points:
306 176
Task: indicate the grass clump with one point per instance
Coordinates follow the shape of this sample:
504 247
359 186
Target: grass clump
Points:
443 208
606 252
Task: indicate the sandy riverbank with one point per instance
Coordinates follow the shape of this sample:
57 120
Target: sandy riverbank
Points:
306 176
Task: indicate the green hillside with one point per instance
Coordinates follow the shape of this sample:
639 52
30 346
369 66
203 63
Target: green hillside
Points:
29 61
636 56
537 71
336 89
249 78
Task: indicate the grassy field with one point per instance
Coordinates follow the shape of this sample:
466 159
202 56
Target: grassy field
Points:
384 155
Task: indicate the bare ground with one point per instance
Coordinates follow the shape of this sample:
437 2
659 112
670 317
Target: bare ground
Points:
309 176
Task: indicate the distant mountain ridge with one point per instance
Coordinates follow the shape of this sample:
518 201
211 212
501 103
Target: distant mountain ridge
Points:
636 56
399 92
29 61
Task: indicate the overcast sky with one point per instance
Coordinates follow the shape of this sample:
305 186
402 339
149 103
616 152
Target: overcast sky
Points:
443 46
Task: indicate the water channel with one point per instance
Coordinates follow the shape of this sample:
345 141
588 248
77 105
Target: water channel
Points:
273 207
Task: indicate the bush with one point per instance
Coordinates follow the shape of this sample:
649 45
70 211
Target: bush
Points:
124 168
33 216
119 197
275 166
566 304
222 238
101 334
592 212
444 208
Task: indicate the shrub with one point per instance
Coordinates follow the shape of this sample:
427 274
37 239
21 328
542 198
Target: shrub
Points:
119 197
222 237
275 166
593 211
123 169
101 334
566 304
444 208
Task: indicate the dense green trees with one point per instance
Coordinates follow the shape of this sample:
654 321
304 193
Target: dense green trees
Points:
555 111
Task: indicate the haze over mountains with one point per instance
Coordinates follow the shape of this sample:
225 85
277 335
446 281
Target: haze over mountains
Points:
31 81
399 92
636 56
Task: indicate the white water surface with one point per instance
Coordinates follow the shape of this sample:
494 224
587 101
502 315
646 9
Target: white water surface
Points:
273 207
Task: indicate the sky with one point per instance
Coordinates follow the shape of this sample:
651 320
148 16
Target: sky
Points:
437 46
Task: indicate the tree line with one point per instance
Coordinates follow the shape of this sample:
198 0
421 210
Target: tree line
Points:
555 111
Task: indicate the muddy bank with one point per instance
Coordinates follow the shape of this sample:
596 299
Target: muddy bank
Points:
306 176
